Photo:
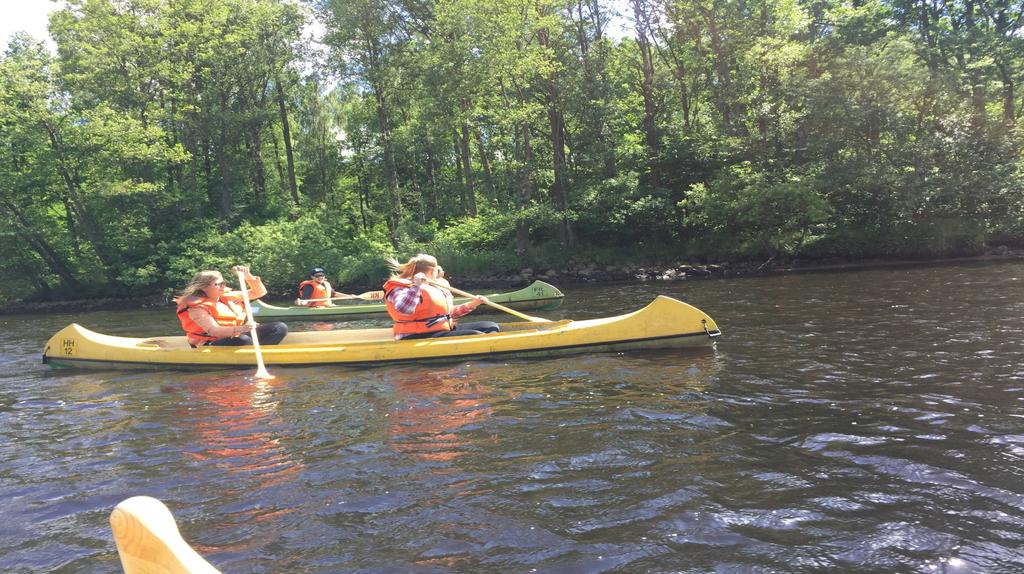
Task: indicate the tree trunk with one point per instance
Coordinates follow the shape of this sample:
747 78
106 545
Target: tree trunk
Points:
79 210
978 96
723 87
485 161
559 186
1009 99
364 193
524 156
286 130
581 33
460 174
467 168
559 191
277 158
207 146
38 243
431 188
650 126
226 200
606 139
927 37
390 168
254 143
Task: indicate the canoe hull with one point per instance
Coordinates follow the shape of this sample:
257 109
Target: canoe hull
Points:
665 323
536 296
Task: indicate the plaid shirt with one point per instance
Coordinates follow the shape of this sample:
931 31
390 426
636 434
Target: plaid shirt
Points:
405 300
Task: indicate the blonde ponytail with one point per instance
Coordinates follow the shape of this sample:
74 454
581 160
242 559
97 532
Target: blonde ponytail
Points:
414 265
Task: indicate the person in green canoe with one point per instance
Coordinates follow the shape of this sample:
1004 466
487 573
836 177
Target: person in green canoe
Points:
317 291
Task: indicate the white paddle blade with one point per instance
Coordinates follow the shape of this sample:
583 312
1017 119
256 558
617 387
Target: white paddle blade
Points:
261 369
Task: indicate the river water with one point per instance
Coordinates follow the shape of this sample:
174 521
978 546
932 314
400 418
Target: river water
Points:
864 421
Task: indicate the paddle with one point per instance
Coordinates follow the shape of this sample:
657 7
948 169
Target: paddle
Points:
367 296
261 369
148 540
495 305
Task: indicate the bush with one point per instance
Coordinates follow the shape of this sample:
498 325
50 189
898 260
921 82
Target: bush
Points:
494 230
623 210
748 213
488 230
282 253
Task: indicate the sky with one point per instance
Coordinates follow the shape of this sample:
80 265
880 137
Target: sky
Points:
26 16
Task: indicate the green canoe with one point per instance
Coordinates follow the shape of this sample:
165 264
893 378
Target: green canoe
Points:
538 295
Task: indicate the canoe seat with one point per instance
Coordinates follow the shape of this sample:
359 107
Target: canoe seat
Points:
536 326
164 343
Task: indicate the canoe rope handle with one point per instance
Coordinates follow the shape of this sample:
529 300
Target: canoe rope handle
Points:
704 323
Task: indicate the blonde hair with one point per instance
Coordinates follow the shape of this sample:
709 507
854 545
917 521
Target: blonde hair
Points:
414 265
202 280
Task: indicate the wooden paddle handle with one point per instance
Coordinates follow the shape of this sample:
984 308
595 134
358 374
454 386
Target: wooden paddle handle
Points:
148 540
368 296
326 299
488 301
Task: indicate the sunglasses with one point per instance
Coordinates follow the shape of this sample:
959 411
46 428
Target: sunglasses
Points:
319 276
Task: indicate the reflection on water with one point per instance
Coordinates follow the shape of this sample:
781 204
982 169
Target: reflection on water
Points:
230 425
432 410
866 421
228 418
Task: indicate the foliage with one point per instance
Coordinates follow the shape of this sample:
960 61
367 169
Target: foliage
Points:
166 136
282 253
619 210
488 231
748 212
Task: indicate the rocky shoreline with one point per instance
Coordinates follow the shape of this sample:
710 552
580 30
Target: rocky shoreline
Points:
587 273
572 274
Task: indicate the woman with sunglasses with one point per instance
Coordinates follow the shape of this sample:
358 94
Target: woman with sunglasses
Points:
211 313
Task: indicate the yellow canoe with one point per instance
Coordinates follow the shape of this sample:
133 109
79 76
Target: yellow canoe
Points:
665 322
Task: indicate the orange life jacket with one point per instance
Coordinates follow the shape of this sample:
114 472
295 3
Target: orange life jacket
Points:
319 292
228 311
432 314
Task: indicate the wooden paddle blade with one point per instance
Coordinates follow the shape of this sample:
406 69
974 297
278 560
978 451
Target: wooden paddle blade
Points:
148 540
367 296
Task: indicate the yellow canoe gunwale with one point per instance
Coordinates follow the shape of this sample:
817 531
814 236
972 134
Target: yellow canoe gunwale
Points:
664 323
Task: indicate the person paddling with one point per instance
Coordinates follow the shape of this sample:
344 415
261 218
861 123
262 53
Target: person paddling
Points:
211 313
422 310
317 291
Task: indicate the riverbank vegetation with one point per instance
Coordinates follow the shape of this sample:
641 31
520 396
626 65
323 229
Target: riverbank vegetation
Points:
167 136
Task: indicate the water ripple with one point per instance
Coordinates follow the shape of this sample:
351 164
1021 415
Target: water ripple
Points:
865 422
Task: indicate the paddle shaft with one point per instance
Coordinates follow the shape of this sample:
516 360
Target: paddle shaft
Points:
261 369
489 302
368 296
